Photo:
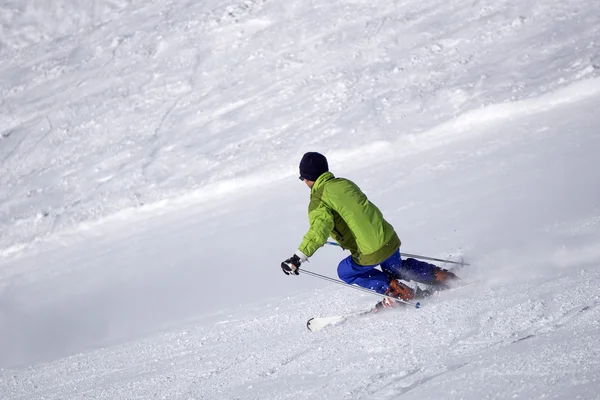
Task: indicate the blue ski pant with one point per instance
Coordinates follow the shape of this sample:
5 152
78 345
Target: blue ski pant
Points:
395 267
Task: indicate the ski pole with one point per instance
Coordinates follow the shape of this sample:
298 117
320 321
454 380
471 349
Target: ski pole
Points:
416 305
417 256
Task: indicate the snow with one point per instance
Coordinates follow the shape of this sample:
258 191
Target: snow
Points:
148 193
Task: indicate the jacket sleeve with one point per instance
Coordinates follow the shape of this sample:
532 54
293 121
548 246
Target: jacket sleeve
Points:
321 225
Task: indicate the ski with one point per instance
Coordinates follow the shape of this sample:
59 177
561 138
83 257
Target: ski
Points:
315 324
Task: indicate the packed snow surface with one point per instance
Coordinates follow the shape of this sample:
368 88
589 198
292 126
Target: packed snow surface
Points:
148 193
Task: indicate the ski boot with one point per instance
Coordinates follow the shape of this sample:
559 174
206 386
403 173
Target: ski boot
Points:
443 279
400 291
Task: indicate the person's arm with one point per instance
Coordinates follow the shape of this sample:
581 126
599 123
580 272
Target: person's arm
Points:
321 225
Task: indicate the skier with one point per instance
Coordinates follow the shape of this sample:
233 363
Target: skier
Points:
338 208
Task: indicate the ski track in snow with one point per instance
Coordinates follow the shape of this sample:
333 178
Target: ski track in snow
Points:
192 359
148 154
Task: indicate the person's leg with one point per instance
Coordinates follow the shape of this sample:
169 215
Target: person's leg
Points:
419 271
393 267
366 276
371 278
411 269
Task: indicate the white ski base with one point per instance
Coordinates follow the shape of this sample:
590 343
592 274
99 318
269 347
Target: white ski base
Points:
316 324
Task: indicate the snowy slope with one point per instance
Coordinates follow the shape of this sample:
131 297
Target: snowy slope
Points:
149 192
168 99
29 22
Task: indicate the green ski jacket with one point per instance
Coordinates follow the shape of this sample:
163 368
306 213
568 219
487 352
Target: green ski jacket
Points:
338 208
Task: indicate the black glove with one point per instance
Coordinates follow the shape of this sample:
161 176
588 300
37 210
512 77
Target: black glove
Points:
291 265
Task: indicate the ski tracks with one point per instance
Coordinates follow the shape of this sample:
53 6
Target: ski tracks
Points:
492 332
391 385
566 318
541 324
